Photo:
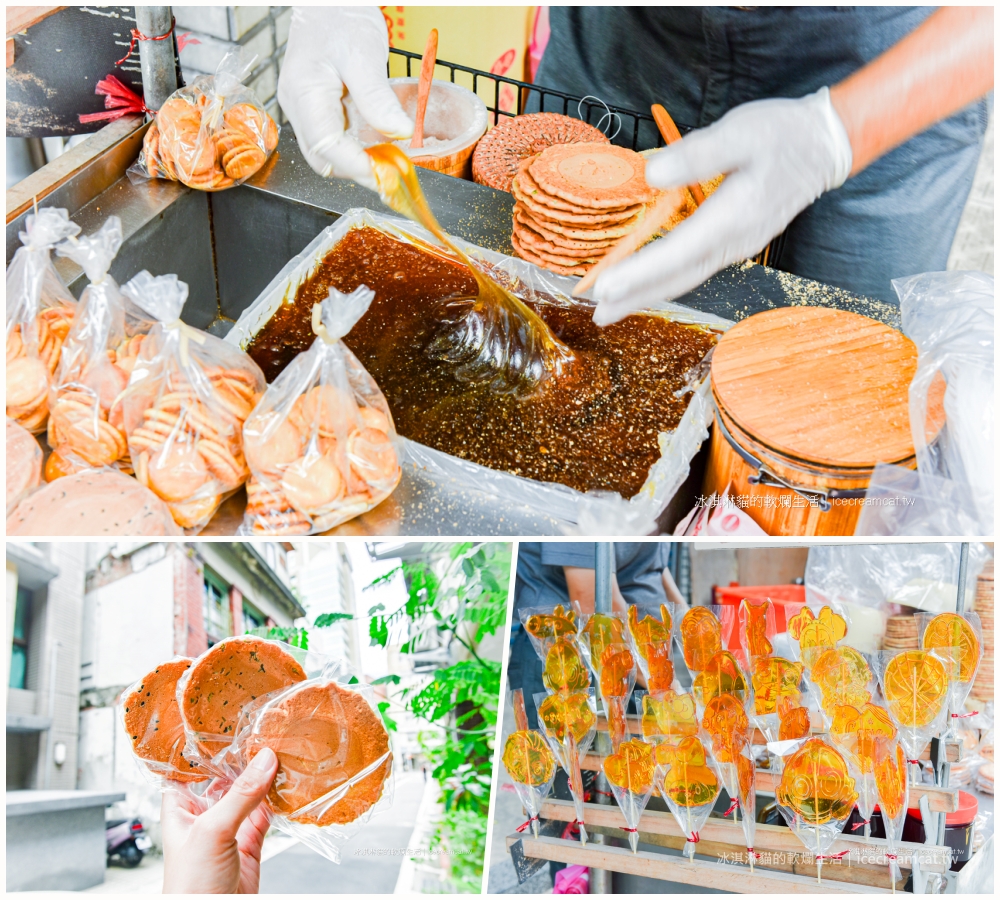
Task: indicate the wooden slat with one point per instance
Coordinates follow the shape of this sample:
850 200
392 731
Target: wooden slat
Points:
941 799
671 868
772 838
20 18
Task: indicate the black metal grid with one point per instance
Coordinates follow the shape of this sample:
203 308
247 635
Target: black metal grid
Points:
638 130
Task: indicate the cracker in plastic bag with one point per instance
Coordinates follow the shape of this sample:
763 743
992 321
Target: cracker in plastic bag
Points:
39 315
185 405
24 464
320 444
85 419
211 134
334 758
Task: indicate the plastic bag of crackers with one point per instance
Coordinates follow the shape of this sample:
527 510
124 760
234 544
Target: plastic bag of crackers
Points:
211 134
320 443
39 314
24 464
334 757
184 408
85 418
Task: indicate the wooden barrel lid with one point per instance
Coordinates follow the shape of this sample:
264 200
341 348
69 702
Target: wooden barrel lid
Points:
821 385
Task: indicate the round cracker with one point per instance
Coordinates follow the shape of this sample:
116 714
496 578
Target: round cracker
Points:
599 176
532 240
579 232
323 735
154 726
525 190
228 677
528 256
561 240
564 261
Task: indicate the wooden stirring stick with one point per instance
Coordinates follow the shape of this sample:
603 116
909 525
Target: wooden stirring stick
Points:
424 88
671 134
656 217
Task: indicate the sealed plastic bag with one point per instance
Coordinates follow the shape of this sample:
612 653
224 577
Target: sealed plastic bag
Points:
334 759
618 671
24 464
211 134
85 419
185 405
650 637
630 770
957 639
689 785
320 444
949 316
545 623
39 314
530 764
915 685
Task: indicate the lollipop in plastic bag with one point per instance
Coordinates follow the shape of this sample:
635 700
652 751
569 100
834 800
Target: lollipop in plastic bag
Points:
651 639
957 640
668 717
816 634
529 761
629 771
701 637
569 724
600 630
545 623
915 686
843 678
564 670
721 675
728 727
617 681
773 678
688 785
39 314
320 443
816 795
893 792
211 134
856 732
793 720
757 627
185 405
86 428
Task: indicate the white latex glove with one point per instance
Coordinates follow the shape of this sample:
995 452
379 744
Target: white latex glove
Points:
778 157
330 49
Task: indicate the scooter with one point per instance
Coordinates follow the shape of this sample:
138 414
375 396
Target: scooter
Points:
126 840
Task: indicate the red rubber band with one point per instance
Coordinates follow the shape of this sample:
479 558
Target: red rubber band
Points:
753 853
732 806
526 825
119 100
694 839
139 36
858 825
965 715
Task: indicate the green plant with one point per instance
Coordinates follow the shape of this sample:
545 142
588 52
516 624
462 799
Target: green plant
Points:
461 699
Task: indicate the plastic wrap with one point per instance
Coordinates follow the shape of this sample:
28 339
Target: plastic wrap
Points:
701 637
915 685
688 784
616 681
629 771
591 513
856 731
334 758
185 405
92 502
668 717
320 443
892 786
211 134
39 314
958 642
922 576
24 464
650 637
85 418
842 677
544 623
529 762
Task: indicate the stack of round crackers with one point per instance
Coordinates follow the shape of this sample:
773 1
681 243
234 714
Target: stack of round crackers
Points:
575 202
901 633
982 688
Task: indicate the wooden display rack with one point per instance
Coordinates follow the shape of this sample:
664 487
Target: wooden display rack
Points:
784 867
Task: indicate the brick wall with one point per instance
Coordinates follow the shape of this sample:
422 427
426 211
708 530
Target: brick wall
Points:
218 29
189 605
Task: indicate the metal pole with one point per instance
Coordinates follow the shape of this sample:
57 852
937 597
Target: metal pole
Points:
963 572
600 879
49 740
159 74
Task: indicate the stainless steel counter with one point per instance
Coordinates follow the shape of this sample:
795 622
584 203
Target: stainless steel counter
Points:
227 246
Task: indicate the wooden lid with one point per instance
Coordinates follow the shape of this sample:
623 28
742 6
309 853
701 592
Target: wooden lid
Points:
822 385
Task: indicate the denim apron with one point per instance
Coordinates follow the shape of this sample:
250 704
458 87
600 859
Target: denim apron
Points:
898 217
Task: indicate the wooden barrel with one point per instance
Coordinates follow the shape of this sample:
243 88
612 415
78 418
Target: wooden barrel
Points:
808 400
458 164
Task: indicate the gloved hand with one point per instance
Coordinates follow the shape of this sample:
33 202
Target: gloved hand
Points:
778 157
331 48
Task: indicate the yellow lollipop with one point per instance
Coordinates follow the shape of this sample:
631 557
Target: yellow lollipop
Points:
859 730
774 678
528 759
652 641
726 722
558 623
603 630
564 668
955 637
565 714
890 778
915 686
816 633
631 767
842 675
670 715
721 675
688 781
701 637
816 785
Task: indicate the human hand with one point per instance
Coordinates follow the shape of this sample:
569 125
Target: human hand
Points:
218 851
778 156
331 49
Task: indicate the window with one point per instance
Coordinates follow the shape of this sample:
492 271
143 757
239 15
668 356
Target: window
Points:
216 607
19 641
252 618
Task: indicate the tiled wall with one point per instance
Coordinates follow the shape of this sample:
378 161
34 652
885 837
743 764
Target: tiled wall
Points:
261 29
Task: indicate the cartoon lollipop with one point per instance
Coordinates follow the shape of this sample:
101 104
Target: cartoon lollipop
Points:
569 724
651 639
668 717
629 771
915 685
617 681
956 640
529 762
688 785
855 732
755 623
701 637
893 791
721 675
774 677
726 723
793 720
815 795
601 630
842 676
816 633
564 669
545 625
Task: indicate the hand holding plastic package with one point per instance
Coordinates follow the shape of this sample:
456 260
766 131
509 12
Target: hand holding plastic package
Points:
211 134
184 408
39 314
320 444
